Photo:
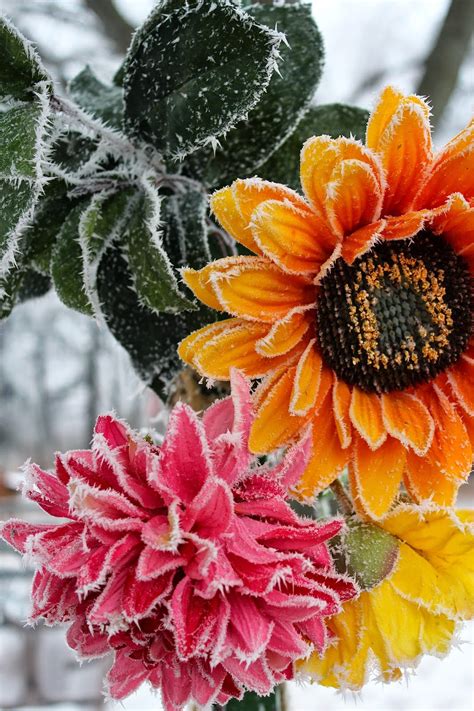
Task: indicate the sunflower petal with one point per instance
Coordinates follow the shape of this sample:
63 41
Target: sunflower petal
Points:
405 226
407 419
377 475
256 289
274 425
366 416
198 280
307 380
333 172
233 206
461 378
450 173
399 131
328 459
284 334
360 241
298 242
455 221
235 347
424 482
341 398
353 197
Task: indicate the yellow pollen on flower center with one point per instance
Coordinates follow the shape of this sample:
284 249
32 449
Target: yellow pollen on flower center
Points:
398 316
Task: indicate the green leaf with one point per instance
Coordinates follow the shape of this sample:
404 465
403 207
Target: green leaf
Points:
20 285
184 230
151 339
151 268
49 216
67 265
286 99
23 132
18 140
254 702
17 201
102 222
72 150
194 70
102 101
330 119
20 67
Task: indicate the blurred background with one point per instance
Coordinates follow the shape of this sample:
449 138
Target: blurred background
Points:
58 369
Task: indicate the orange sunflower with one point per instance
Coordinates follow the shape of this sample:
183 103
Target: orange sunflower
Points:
356 309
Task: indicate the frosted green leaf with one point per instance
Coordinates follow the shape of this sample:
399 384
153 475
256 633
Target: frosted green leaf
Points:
151 268
23 132
67 266
102 101
184 230
47 221
20 67
151 339
102 222
192 71
283 104
18 141
21 285
16 201
71 151
330 119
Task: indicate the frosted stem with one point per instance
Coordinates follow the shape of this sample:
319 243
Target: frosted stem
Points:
343 501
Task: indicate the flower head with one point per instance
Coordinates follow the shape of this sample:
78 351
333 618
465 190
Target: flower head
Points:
356 309
186 560
414 610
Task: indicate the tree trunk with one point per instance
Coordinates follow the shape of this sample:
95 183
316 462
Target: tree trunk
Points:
443 64
115 26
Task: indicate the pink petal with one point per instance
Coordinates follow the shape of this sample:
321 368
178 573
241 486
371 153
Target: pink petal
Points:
289 538
287 642
103 561
46 490
125 676
17 532
109 604
140 597
185 461
210 513
82 465
255 676
115 432
249 630
206 684
218 419
315 630
176 686
106 508
277 510
194 620
294 462
84 642
153 563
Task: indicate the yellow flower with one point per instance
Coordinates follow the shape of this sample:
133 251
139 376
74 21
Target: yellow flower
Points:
414 610
356 307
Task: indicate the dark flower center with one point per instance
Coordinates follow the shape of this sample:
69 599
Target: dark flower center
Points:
399 316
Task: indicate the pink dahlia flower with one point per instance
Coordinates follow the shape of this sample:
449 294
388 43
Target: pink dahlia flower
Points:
184 560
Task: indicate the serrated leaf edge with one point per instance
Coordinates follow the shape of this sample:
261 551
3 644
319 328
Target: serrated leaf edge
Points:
42 151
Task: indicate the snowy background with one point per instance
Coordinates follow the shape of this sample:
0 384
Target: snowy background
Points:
57 370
